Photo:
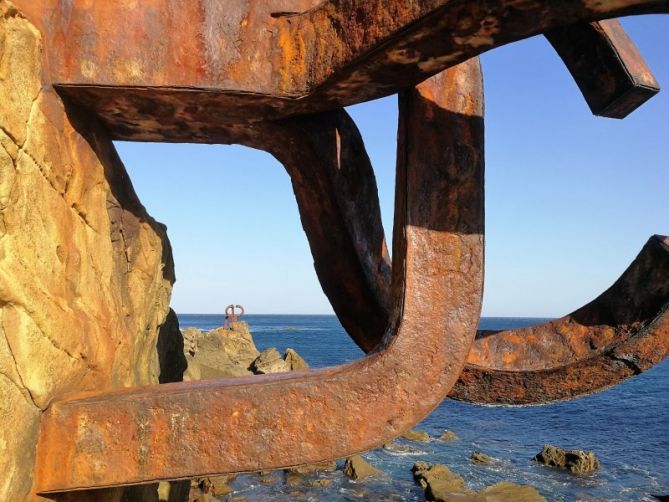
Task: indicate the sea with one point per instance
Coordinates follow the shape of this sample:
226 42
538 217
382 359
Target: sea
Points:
627 427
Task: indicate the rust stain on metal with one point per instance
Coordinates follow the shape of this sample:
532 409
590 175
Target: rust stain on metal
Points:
207 68
232 314
275 75
606 65
433 296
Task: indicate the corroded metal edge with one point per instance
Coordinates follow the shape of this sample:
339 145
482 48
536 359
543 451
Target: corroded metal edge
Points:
176 431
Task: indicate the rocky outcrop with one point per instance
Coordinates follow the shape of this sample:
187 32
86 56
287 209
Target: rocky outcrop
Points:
269 361
231 352
357 468
480 458
413 435
295 361
576 461
219 353
442 485
85 273
438 481
448 436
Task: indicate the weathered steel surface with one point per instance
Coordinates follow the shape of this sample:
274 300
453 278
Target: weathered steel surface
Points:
183 430
621 333
606 65
274 75
186 71
232 313
336 193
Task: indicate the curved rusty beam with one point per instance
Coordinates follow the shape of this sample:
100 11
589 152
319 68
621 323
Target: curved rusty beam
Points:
621 333
183 430
158 77
336 194
607 66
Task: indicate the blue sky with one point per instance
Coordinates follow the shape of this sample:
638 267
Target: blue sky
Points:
570 198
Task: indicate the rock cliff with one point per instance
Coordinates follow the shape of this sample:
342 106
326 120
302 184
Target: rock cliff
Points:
85 273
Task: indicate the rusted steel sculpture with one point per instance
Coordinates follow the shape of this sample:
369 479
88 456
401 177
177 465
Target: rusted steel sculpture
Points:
232 313
274 75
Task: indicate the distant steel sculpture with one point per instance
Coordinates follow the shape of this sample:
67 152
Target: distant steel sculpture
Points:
232 313
275 75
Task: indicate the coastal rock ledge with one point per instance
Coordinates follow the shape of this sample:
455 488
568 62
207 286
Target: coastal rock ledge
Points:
576 461
440 484
85 273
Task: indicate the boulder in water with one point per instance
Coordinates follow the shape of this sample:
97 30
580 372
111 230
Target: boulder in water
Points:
576 461
480 458
448 436
438 481
416 436
357 468
442 485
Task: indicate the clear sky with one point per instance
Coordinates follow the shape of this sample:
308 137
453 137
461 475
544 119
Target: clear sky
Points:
570 198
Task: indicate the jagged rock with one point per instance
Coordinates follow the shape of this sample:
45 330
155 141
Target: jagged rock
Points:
416 436
358 468
576 461
219 486
269 361
191 336
216 485
294 360
236 343
480 458
438 481
442 485
448 436
219 353
399 448
85 273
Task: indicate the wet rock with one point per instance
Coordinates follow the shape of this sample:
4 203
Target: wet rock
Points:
480 458
576 461
505 491
294 479
294 360
399 448
438 481
448 436
357 468
416 436
268 477
320 483
269 361
216 485
442 485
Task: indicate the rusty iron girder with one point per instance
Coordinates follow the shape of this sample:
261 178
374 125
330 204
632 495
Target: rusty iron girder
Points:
194 71
274 75
182 430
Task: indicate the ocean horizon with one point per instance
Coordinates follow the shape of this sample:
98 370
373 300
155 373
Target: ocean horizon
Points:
626 426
